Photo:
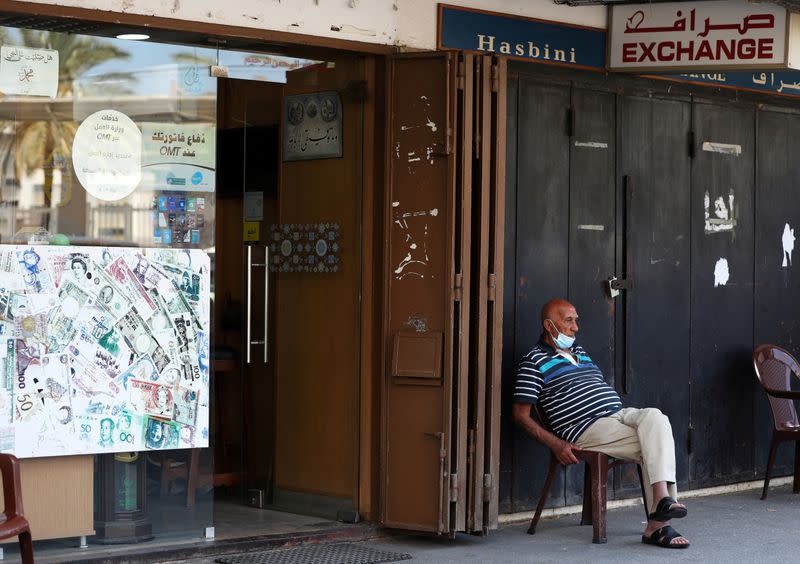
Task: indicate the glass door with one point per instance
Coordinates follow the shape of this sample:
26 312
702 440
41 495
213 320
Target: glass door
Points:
293 224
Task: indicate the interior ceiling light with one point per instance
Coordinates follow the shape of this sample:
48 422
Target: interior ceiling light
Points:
133 36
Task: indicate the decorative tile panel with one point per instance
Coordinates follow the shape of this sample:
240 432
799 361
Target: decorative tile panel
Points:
308 247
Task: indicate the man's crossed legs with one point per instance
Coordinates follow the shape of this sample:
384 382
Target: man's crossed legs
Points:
644 435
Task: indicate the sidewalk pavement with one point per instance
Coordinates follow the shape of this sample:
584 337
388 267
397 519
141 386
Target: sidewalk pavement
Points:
730 528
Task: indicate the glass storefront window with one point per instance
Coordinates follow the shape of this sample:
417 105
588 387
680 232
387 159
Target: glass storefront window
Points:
108 143
167 94
109 151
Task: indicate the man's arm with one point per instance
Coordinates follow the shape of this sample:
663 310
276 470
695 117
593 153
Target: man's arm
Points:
562 449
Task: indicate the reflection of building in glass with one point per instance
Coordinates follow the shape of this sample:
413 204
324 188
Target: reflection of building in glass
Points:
129 220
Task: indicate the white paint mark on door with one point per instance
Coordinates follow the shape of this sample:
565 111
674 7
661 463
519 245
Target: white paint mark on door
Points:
723 148
592 227
721 273
434 212
788 245
406 261
592 144
723 215
395 204
431 124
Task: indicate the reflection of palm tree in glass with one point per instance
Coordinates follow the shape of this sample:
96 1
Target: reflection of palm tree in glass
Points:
48 144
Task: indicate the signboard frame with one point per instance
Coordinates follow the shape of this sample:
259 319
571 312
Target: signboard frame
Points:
690 7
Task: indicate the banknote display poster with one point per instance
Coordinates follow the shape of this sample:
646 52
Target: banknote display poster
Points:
103 349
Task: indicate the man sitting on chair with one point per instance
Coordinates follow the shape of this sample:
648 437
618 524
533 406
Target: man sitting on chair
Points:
585 413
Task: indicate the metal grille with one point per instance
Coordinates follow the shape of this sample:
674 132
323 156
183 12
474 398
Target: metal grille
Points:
342 553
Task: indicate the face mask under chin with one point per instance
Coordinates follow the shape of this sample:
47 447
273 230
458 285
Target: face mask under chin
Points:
562 341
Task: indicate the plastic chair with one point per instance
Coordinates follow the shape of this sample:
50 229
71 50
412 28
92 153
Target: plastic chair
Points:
595 488
774 368
14 524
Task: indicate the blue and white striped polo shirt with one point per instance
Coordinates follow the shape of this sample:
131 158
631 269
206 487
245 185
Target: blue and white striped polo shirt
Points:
571 396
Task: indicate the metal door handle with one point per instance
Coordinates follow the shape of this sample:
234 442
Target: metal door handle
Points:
266 301
249 331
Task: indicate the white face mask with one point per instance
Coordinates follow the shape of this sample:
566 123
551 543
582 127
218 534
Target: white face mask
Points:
562 341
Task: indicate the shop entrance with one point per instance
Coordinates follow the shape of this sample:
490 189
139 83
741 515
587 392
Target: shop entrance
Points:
286 303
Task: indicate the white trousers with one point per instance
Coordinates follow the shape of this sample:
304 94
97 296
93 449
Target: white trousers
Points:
643 435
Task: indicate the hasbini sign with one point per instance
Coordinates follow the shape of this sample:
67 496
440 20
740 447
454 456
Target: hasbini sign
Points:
521 38
697 36
538 41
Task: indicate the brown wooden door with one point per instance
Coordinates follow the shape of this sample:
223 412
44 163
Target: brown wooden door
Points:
440 403
316 313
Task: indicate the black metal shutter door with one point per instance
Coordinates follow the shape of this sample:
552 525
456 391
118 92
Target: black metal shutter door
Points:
541 240
655 178
722 385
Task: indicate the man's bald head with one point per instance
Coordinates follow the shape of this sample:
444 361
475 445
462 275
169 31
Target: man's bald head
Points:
558 316
553 307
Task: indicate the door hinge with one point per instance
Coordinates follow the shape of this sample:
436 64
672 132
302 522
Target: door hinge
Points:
458 284
487 487
453 487
492 285
690 138
460 73
495 78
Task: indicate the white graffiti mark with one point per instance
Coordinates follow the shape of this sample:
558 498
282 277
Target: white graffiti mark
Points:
412 157
417 274
397 149
395 204
788 245
721 273
406 261
428 123
724 213
416 260
434 212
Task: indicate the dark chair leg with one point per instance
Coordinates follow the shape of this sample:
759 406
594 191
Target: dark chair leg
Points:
644 496
586 514
796 486
26 547
773 446
599 473
545 492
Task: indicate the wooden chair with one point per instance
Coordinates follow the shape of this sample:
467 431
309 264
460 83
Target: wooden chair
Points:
774 369
595 488
14 523
186 465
